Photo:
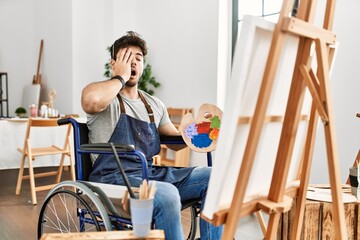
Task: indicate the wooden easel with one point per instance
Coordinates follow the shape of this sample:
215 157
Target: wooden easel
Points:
37 78
279 198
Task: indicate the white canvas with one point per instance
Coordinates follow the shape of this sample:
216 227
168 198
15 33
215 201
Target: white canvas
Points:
31 95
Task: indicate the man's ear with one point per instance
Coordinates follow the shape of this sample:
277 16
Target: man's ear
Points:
112 63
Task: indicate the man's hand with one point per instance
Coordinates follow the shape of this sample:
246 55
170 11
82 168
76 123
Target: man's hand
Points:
122 65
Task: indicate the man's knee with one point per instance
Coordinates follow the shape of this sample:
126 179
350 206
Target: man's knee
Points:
167 197
201 174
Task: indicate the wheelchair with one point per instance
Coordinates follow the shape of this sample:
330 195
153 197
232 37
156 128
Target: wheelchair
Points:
83 206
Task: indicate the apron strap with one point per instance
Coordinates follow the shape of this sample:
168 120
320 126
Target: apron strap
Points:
122 107
147 106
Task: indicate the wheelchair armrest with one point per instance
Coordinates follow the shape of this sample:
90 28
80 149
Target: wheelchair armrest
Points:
100 148
171 139
121 149
177 139
63 121
107 147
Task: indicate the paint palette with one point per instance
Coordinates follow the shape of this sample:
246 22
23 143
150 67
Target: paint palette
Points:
201 133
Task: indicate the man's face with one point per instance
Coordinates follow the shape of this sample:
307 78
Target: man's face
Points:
137 66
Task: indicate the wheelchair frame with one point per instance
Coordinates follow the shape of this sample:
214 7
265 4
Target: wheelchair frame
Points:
97 211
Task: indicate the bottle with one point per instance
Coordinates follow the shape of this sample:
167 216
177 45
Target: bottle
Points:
33 110
44 111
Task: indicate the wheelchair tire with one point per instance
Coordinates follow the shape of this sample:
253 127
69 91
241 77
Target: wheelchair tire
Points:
72 207
60 214
189 220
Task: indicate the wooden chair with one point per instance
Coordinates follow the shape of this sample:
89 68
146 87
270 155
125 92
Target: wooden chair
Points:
30 152
181 157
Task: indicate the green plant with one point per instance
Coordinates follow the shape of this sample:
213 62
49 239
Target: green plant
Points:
20 110
107 72
147 81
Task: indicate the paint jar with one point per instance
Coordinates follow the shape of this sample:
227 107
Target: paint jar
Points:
44 111
33 110
141 215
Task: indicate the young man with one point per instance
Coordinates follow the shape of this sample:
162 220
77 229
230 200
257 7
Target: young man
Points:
121 113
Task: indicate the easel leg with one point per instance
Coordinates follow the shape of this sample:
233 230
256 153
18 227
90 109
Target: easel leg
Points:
261 221
273 224
334 172
305 173
335 183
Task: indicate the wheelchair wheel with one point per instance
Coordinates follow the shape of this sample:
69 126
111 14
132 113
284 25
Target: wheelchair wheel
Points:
72 207
189 221
64 212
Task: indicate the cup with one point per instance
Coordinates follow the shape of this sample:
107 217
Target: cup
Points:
353 176
141 215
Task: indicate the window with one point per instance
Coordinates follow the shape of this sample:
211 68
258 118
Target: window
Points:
268 9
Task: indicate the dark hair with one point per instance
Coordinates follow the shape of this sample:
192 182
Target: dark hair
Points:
130 39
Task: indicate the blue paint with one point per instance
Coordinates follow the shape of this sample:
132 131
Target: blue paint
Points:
201 140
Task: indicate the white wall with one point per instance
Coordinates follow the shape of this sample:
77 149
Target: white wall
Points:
91 29
182 48
22 24
17 46
178 46
182 40
345 85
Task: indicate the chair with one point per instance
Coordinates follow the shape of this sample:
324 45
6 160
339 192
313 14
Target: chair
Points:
180 158
31 153
96 206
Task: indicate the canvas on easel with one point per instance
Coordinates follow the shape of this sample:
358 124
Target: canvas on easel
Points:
275 97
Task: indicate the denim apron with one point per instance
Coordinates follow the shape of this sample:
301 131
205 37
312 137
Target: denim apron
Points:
144 136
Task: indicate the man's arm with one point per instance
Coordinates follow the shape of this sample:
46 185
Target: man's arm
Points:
97 96
169 129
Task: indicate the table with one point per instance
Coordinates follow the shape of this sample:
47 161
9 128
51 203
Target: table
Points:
318 220
12 134
154 235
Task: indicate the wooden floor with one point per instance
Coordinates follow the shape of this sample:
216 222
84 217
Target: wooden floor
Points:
18 216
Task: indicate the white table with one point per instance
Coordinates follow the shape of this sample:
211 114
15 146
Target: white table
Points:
12 134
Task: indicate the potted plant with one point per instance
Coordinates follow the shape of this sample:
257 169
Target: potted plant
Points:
147 82
20 112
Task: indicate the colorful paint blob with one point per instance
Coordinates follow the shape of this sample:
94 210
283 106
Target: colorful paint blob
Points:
204 133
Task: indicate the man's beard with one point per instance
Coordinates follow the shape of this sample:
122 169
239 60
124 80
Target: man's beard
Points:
131 83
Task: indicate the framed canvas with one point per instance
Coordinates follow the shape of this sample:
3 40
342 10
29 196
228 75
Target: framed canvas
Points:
31 95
